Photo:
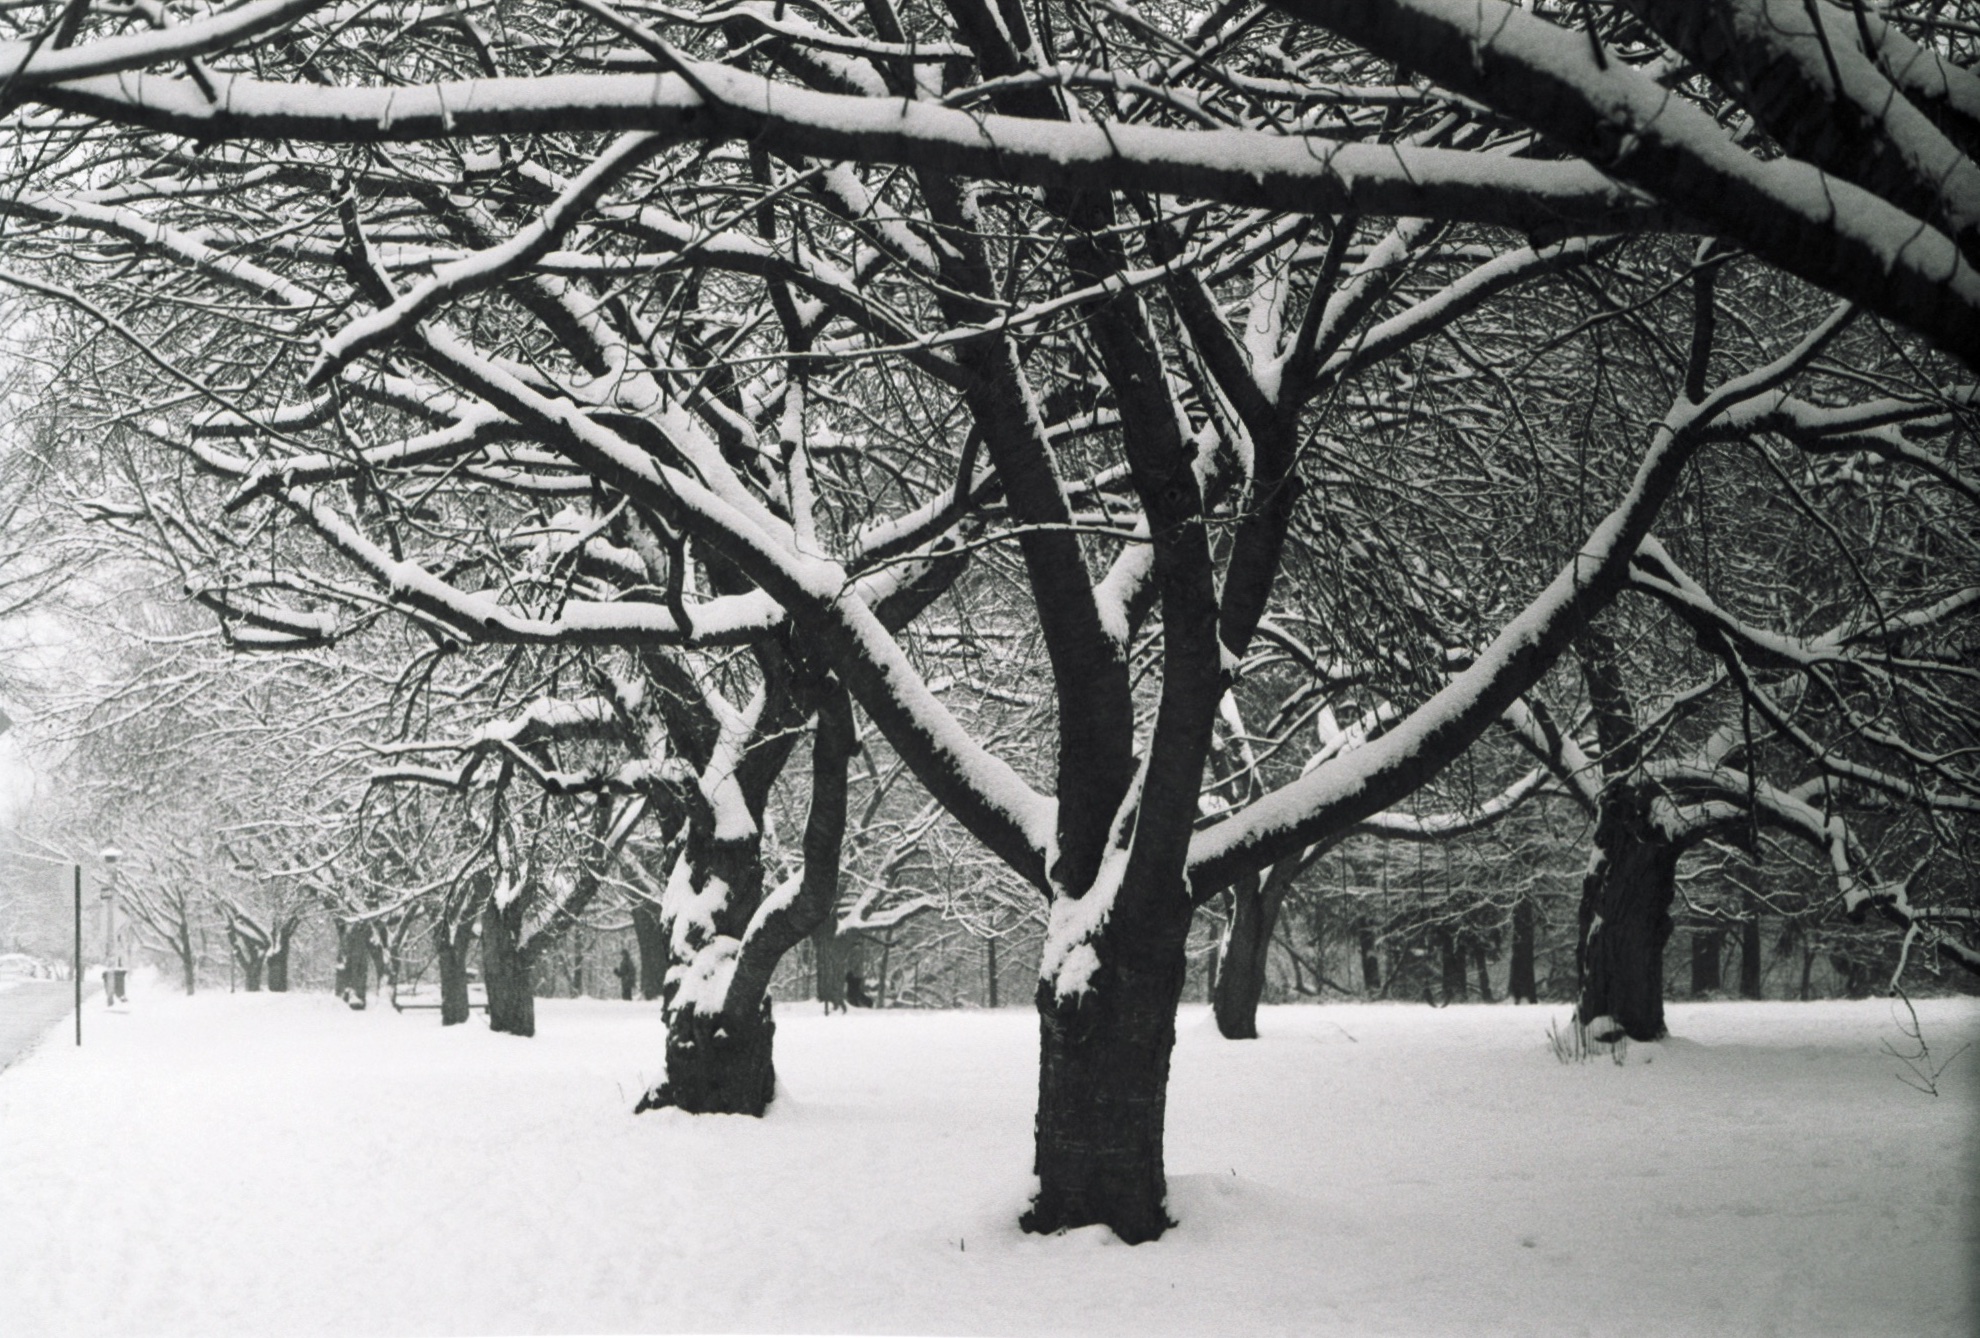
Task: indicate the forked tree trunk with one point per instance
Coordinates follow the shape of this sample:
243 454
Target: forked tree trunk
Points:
1626 920
652 941
505 971
1103 1080
251 964
450 950
1520 983
1242 967
1707 947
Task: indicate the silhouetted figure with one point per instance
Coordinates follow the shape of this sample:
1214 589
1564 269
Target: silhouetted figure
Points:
856 994
627 974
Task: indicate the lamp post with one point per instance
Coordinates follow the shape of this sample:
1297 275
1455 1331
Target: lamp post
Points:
113 955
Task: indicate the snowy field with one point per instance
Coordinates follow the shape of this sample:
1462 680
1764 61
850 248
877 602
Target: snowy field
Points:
270 1165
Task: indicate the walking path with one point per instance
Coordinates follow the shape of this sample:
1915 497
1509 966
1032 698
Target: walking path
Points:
27 1010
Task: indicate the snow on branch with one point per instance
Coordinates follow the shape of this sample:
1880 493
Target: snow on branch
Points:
1300 173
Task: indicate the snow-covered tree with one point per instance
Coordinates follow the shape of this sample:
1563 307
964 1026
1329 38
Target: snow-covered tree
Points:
777 314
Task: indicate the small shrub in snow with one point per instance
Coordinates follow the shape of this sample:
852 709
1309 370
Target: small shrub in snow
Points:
1916 1055
1576 1046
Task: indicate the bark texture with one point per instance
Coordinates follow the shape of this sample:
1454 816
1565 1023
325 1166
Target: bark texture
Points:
450 947
505 972
1626 919
1520 983
718 1063
1102 1080
1247 950
652 942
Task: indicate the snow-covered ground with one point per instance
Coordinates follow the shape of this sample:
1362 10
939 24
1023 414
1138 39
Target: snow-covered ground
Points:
270 1165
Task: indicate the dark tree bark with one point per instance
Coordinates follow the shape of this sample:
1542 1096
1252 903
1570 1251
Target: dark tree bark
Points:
990 967
718 1063
832 956
1707 948
1102 1079
251 964
1371 961
278 959
719 1058
652 942
1241 969
1450 960
1484 973
1520 984
1749 949
1626 919
450 949
505 971
353 963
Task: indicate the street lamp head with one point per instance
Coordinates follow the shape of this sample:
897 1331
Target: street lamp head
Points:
111 855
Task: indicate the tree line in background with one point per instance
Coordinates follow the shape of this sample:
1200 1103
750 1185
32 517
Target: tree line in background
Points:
1240 494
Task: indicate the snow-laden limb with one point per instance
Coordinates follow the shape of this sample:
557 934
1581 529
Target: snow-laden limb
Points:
468 434
480 616
489 267
25 64
985 793
1456 822
1806 221
1655 571
1070 959
1355 785
1300 173
1536 731
1876 428
149 233
1707 801
1802 72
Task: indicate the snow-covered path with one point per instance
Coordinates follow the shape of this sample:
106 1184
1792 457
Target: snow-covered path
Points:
27 1009
279 1165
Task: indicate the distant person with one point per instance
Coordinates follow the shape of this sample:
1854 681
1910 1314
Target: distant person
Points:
856 994
627 974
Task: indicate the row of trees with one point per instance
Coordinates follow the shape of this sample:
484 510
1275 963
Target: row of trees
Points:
1189 440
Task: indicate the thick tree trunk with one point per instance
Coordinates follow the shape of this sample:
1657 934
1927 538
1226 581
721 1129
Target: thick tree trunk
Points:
1484 973
718 1064
1371 962
1242 968
1520 984
251 964
505 973
830 957
652 940
1626 920
1749 949
1450 960
1102 1084
278 962
353 964
450 948
1707 948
